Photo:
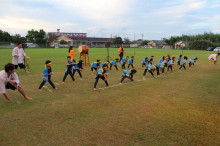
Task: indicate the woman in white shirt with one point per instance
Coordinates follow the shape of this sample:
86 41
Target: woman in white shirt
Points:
213 57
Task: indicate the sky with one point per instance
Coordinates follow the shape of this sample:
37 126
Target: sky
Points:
135 19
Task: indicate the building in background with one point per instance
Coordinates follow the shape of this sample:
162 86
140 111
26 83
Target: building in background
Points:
158 44
181 44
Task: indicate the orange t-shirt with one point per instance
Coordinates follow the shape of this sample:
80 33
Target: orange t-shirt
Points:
72 54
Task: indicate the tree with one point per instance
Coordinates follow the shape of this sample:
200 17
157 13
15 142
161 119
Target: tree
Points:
145 42
63 42
200 44
127 40
117 40
5 36
17 38
51 38
38 37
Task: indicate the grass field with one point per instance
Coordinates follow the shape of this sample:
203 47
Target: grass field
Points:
178 108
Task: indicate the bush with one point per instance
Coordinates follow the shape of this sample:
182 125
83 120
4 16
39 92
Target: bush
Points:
200 44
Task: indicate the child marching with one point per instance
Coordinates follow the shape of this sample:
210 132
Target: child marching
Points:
78 67
192 61
130 62
103 74
123 62
179 60
114 63
47 75
95 66
183 64
144 62
69 66
150 68
171 64
129 74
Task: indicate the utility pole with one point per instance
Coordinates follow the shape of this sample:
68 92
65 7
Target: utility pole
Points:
142 37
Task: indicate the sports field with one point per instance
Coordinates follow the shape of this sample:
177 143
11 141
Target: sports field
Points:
177 108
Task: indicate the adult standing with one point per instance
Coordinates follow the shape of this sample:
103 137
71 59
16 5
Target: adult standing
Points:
121 51
213 57
9 80
72 53
18 55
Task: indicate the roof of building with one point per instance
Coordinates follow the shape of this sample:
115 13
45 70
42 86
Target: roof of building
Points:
159 42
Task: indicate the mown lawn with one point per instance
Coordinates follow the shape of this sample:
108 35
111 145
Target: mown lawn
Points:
177 108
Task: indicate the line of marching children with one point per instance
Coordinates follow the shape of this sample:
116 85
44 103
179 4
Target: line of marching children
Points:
102 68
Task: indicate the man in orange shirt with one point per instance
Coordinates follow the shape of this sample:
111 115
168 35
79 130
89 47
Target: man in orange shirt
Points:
121 51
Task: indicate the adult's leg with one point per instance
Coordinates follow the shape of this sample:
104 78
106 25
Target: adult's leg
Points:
23 93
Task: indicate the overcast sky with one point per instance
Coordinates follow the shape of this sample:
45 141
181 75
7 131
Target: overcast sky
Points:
154 19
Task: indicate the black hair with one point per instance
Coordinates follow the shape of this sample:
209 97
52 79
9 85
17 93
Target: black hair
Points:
18 43
196 58
127 57
116 59
218 53
70 48
68 57
152 56
133 71
163 57
185 57
146 58
173 58
105 65
97 60
181 56
9 67
132 56
47 61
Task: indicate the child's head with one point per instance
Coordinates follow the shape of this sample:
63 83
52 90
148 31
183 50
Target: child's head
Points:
168 55
218 54
196 58
167 59
80 62
127 57
185 57
132 57
69 59
133 71
146 58
173 58
163 57
98 61
152 57
107 62
105 67
48 63
181 56
116 59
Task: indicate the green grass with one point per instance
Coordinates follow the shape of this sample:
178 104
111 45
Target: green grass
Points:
178 108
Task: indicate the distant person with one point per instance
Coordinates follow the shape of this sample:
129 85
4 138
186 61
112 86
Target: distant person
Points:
72 53
121 52
114 63
95 65
18 55
129 74
213 57
130 62
183 64
69 66
179 60
9 80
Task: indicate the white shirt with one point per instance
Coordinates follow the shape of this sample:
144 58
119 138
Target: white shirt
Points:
214 57
4 79
20 52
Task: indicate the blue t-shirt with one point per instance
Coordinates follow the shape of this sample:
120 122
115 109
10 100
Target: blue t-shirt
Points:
113 62
103 64
150 59
126 73
171 62
159 64
144 61
179 59
161 60
45 74
130 61
100 72
68 67
149 66
191 60
184 61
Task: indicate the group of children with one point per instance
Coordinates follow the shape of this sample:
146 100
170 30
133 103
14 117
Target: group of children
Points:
102 68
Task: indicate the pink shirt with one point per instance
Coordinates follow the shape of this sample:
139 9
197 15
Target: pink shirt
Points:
214 57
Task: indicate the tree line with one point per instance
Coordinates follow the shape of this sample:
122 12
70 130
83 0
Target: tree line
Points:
33 36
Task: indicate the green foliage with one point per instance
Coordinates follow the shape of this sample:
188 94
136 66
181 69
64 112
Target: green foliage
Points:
117 40
63 42
38 37
17 38
127 40
145 42
5 36
51 38
200 44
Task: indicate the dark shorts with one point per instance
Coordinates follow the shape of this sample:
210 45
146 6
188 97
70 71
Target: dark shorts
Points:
21 65
93 68
10 86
